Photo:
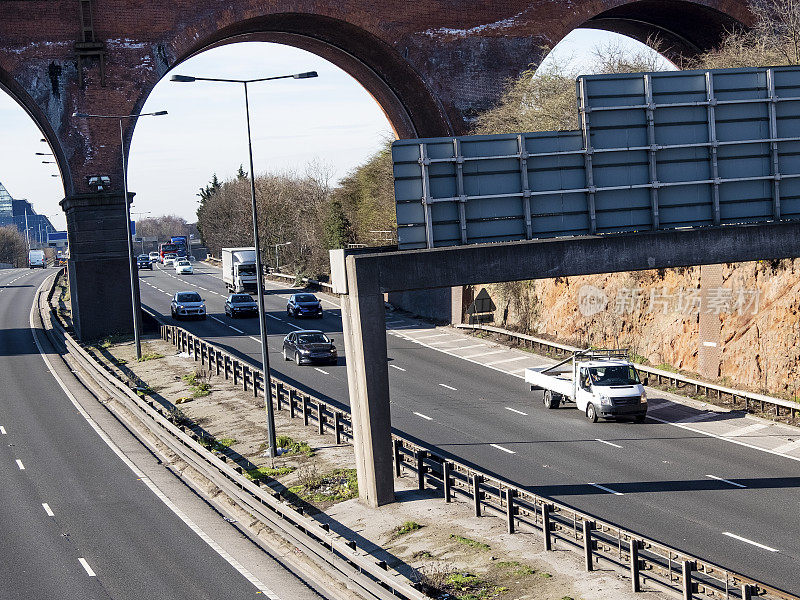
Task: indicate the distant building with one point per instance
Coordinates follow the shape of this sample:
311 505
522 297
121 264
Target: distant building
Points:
14 212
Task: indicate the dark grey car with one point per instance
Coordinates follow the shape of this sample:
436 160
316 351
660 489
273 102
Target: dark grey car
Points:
309 346
304 305
241 305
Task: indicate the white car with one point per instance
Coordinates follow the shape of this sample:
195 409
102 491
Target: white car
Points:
183 267
169 259
154 257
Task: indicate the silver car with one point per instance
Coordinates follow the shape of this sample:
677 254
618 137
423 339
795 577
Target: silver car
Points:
187 305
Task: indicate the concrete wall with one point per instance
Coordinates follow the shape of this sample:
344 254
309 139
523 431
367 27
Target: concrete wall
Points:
435 303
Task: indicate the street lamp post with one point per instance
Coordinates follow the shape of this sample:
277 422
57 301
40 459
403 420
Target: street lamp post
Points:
277 264
273 450
137 324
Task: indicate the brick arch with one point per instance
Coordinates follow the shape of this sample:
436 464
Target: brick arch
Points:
10 86
401 93
686 28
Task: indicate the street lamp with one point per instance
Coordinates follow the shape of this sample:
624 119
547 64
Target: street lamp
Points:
277 264
137 326
273 450
44 154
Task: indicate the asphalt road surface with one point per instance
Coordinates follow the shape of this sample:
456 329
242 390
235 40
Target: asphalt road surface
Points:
79 521
725 502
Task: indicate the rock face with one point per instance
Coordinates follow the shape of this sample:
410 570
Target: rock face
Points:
656 315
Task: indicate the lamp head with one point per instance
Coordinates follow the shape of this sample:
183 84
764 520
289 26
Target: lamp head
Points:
182 78
305 75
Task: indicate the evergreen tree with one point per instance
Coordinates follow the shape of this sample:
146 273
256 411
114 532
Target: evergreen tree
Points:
336 227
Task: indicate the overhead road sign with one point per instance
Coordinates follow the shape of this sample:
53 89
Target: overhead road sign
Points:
655 151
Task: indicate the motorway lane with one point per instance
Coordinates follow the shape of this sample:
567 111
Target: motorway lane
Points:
664 476
103 532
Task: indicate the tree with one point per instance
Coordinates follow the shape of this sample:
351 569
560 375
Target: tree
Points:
241 173
13 248
337 228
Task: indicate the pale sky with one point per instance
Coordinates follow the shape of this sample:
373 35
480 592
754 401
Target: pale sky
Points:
330 121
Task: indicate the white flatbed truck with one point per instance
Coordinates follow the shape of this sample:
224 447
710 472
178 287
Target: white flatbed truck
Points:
602 384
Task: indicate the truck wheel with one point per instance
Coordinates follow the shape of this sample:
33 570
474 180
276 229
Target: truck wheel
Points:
547 399
591 413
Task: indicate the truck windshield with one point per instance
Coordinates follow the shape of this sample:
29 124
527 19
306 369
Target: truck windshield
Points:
247 269
616 375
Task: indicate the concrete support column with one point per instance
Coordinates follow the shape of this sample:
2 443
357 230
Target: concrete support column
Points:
364 327
99 278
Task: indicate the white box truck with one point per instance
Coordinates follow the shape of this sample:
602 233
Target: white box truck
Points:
36 259
239 269
602 384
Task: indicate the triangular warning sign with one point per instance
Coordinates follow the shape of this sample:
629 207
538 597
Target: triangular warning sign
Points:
482 304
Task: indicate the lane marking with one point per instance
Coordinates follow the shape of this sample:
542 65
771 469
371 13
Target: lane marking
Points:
701 417
430 337
20 465
514 410
466 347
2 430
508 360
396 367
499 447
139 474
485 353
726 481
426 417
292 325
252 337
746 430
321 371
274 317
444 385
47 509
86 566
235 329
605 489
218 320
744 539
788 447
605 442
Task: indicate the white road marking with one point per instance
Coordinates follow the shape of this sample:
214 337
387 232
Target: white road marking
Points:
467 347
292 325
321 371
609 443
274 317
430 337
508 360
514 410
86 566
235 329
701 417
252 337
746 430
744 539
398 368
2 430
605 489
217 320
788 447
485 353
47 509
153 488
448 387
20 465
499 447
726 481
426 417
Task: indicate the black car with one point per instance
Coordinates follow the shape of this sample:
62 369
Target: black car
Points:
241 305
143 262
309 346
304 305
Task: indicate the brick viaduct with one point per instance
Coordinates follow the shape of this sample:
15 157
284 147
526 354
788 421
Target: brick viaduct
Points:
431 67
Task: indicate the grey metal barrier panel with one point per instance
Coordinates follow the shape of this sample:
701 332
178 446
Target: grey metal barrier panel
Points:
654 151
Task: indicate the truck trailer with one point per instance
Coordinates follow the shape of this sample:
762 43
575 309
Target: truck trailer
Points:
239 269
602 384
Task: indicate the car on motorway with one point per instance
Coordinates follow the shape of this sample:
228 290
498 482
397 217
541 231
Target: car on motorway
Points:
169 259
304 305
154 257
143 262
183 267
186 305
309 346
241 305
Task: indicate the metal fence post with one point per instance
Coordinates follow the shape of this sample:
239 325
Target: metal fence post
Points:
234 369
245 369
588 526
687 567
421 454
548 541
634 553
291 403
337 427
476 493
320 418
305 410
267 395
747 592
278 395
398 457
446 481
510 509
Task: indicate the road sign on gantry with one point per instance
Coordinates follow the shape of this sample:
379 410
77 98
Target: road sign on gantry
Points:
655 151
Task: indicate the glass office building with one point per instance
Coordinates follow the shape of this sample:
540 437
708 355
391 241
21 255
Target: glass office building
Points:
21 215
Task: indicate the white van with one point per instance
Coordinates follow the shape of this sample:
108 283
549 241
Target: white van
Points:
36 259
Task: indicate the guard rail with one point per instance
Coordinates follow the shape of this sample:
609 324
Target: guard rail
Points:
645 560
738 398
